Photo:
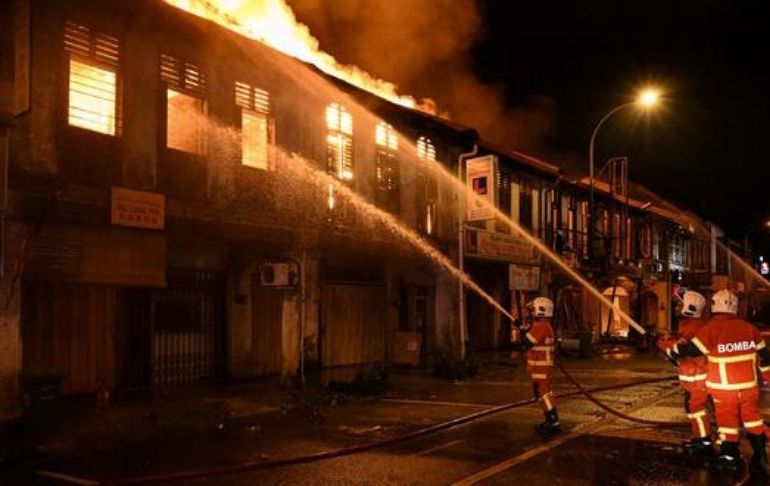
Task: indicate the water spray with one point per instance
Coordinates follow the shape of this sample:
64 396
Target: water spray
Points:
520 231
305 169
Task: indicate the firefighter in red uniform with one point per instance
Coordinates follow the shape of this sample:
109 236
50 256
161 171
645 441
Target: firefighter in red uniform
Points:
734 349
539 343
692 375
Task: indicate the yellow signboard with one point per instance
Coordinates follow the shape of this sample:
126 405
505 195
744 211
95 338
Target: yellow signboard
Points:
138 209
498 246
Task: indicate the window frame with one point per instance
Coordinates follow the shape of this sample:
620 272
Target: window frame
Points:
343 147
97 49
191 81
252 100
388 189
427 187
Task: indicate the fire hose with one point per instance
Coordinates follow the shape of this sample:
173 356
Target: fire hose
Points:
334 453
745 476
588 395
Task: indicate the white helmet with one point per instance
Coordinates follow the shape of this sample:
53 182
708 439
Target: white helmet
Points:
724 302
693 304
541 307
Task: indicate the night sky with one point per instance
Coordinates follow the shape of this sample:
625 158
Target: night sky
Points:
537 76
706 151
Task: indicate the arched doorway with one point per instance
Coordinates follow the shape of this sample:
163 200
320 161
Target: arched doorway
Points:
612 324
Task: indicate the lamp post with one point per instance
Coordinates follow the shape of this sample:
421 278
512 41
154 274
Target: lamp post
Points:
646 99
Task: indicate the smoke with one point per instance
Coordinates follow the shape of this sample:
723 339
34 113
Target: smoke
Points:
425 47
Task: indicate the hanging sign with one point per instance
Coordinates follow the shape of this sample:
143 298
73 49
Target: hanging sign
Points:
523 277
480 180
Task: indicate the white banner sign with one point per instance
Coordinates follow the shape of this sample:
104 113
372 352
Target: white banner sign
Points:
480 180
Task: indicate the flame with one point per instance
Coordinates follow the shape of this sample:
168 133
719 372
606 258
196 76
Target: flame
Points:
273 23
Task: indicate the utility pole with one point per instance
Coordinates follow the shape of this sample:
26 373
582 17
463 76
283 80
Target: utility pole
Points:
461 246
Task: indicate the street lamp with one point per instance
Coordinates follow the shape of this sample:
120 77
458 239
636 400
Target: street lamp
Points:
646 99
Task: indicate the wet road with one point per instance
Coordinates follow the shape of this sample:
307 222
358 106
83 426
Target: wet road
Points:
500 449
504 449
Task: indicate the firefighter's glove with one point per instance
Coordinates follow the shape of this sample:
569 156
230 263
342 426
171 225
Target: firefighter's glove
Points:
764 380
671 359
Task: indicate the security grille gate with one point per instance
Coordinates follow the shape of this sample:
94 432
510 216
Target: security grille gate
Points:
176 334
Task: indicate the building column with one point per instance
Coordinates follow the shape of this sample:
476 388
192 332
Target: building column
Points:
10 324
448 335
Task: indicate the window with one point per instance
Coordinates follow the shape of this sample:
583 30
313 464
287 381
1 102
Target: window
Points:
537 230
427 188
185 105
339 141
93 79
583 228
504 200
256 125
526 208
565 222
515 201
627 246
425 149
617 236
386 165
571 226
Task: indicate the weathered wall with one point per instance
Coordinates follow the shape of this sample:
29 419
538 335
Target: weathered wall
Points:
10 325
244 350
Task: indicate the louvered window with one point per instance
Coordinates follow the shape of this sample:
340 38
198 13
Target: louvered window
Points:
256 125
93 79
386 165
425 149
339 141
427 187
185 104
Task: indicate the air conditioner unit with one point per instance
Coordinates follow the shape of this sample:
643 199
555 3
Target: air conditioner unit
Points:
275 275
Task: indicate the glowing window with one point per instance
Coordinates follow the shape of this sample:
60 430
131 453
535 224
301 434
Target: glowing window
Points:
92 94
256 130
92 84
427 188
185 105
386 166
184 122
339 141
425 149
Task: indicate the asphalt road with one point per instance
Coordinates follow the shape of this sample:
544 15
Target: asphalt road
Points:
595 448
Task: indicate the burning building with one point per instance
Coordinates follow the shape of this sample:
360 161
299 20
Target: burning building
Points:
183 202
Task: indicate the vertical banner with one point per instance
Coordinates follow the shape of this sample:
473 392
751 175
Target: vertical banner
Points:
480 180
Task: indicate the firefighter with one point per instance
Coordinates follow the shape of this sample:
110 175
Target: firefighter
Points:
692 375
734 349
539 344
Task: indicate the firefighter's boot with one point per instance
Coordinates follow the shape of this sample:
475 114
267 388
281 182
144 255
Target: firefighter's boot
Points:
551 424
729 458
700 450
759 446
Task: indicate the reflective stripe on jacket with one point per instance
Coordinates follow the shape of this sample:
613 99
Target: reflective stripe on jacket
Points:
730 345
691 369
540 356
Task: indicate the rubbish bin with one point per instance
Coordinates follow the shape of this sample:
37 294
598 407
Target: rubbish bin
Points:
40 395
